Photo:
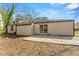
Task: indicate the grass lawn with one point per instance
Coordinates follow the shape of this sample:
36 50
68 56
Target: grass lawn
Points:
77 33
2 31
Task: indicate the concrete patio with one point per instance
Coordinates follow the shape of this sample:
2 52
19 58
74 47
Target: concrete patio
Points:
54 39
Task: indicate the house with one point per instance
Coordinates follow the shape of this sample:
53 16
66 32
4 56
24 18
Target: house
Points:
76 28
55 27
1 21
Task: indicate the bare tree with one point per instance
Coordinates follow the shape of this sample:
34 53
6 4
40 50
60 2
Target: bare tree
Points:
26 15
41 19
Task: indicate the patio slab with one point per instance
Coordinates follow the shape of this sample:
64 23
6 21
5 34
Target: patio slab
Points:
54 39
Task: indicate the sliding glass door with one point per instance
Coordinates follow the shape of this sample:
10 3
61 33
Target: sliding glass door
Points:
44 28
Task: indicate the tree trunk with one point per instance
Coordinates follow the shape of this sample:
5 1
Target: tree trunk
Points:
5 29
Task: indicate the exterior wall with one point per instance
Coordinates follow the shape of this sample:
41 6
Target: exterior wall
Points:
76 28
37 28
61 28
54 28
1 22
57 28
24 30
9 29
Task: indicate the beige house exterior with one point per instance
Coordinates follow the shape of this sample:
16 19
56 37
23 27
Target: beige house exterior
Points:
1 22
24 29
60 27
56 27
11 29
76 28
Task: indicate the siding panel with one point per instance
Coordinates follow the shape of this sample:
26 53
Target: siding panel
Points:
24 30
57 28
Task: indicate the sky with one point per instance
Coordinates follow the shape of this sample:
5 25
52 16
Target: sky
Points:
53 11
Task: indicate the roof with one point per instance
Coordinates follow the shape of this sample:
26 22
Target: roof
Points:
51 21
36 22
23 24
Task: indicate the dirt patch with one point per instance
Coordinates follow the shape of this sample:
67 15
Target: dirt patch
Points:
14 45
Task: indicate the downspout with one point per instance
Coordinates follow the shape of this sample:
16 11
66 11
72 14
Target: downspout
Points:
33 30
73 27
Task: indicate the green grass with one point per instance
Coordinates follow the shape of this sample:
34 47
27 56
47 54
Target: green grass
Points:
2 31
77 33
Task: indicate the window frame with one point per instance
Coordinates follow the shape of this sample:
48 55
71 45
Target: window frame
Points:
11 28
43 28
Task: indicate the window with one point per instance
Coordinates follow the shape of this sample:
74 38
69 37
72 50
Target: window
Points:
11 28
43 28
